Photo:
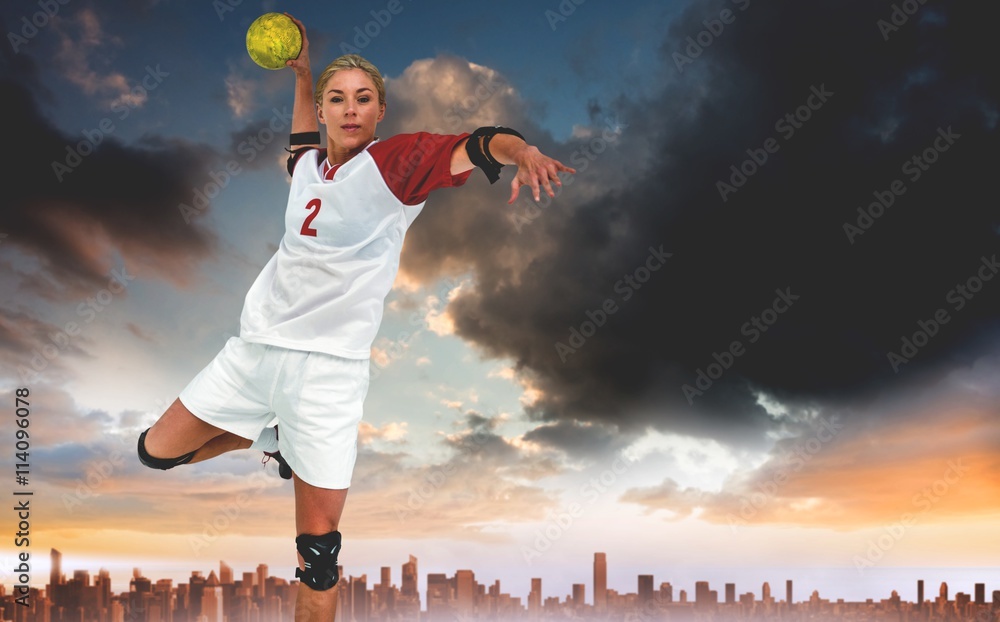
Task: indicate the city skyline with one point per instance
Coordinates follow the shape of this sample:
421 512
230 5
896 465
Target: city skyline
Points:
259 596
776 578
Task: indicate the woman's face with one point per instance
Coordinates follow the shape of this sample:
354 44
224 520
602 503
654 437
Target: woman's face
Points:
350 109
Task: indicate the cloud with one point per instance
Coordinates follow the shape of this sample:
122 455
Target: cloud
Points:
573 437
114 201
81 38
778 242
852 473
239 93
488 479
391 432
97 483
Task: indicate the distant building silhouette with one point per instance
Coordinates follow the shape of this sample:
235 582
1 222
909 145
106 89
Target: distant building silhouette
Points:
211 600
645 588
600 582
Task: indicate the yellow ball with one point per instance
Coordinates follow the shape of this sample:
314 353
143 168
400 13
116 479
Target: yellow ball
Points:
272 39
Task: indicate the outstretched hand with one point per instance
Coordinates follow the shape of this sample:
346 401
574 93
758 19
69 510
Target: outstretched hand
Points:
300 64
535 169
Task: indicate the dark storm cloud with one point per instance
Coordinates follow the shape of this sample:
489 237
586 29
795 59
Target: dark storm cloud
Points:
573 437
73 206
839 303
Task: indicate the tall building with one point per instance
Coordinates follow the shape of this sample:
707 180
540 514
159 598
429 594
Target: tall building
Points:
465 591
211 600
248 584
765 592
535 597
360 607
262 581
980 593
600 582
55 574
438 594
225 573
408 601
920 594
409 585
788 593
701 595
666 592
196 590
943 592
730 593
579 595
102 585
645 588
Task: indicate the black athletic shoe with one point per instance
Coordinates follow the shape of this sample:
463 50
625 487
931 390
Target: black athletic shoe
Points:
284 470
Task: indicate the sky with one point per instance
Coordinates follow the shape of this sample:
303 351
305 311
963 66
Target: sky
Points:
753 338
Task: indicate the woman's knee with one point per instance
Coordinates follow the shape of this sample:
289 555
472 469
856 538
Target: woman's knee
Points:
174 438
162 464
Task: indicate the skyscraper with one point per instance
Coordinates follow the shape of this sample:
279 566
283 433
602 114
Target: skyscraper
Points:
645 588
701 595
55 574
980 593
600 582
465 591
535 597
262 581
666 592
438 593
579 595
225 573
211 600
359 598
408 601
196 589
409 586
730 593
920 594
788 593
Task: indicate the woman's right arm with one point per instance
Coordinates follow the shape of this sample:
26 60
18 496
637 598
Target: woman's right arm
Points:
304 106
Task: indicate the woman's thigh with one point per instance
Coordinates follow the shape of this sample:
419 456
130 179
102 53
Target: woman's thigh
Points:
178 432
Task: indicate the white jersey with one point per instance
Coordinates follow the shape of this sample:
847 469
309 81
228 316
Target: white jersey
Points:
324 289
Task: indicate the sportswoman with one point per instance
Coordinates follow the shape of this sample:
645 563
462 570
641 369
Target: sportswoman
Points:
311 316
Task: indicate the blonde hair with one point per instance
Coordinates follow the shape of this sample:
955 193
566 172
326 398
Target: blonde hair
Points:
350 61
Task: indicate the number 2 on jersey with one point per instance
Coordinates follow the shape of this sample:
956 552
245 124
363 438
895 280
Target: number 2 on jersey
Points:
314 206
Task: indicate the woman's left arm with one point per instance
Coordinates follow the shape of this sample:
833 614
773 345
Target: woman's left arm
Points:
534 168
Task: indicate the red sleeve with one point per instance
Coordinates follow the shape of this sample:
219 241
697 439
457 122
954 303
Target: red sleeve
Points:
414 164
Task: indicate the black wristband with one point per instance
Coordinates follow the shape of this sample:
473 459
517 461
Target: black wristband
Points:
481 156
303 138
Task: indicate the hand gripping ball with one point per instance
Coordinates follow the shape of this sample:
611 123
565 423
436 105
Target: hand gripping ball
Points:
273 39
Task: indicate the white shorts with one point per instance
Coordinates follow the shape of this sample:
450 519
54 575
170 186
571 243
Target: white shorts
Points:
316 398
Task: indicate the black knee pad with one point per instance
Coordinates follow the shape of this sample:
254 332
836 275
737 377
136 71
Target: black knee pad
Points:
320 556
160 463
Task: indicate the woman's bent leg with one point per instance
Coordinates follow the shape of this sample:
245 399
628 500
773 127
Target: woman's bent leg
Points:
179 432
